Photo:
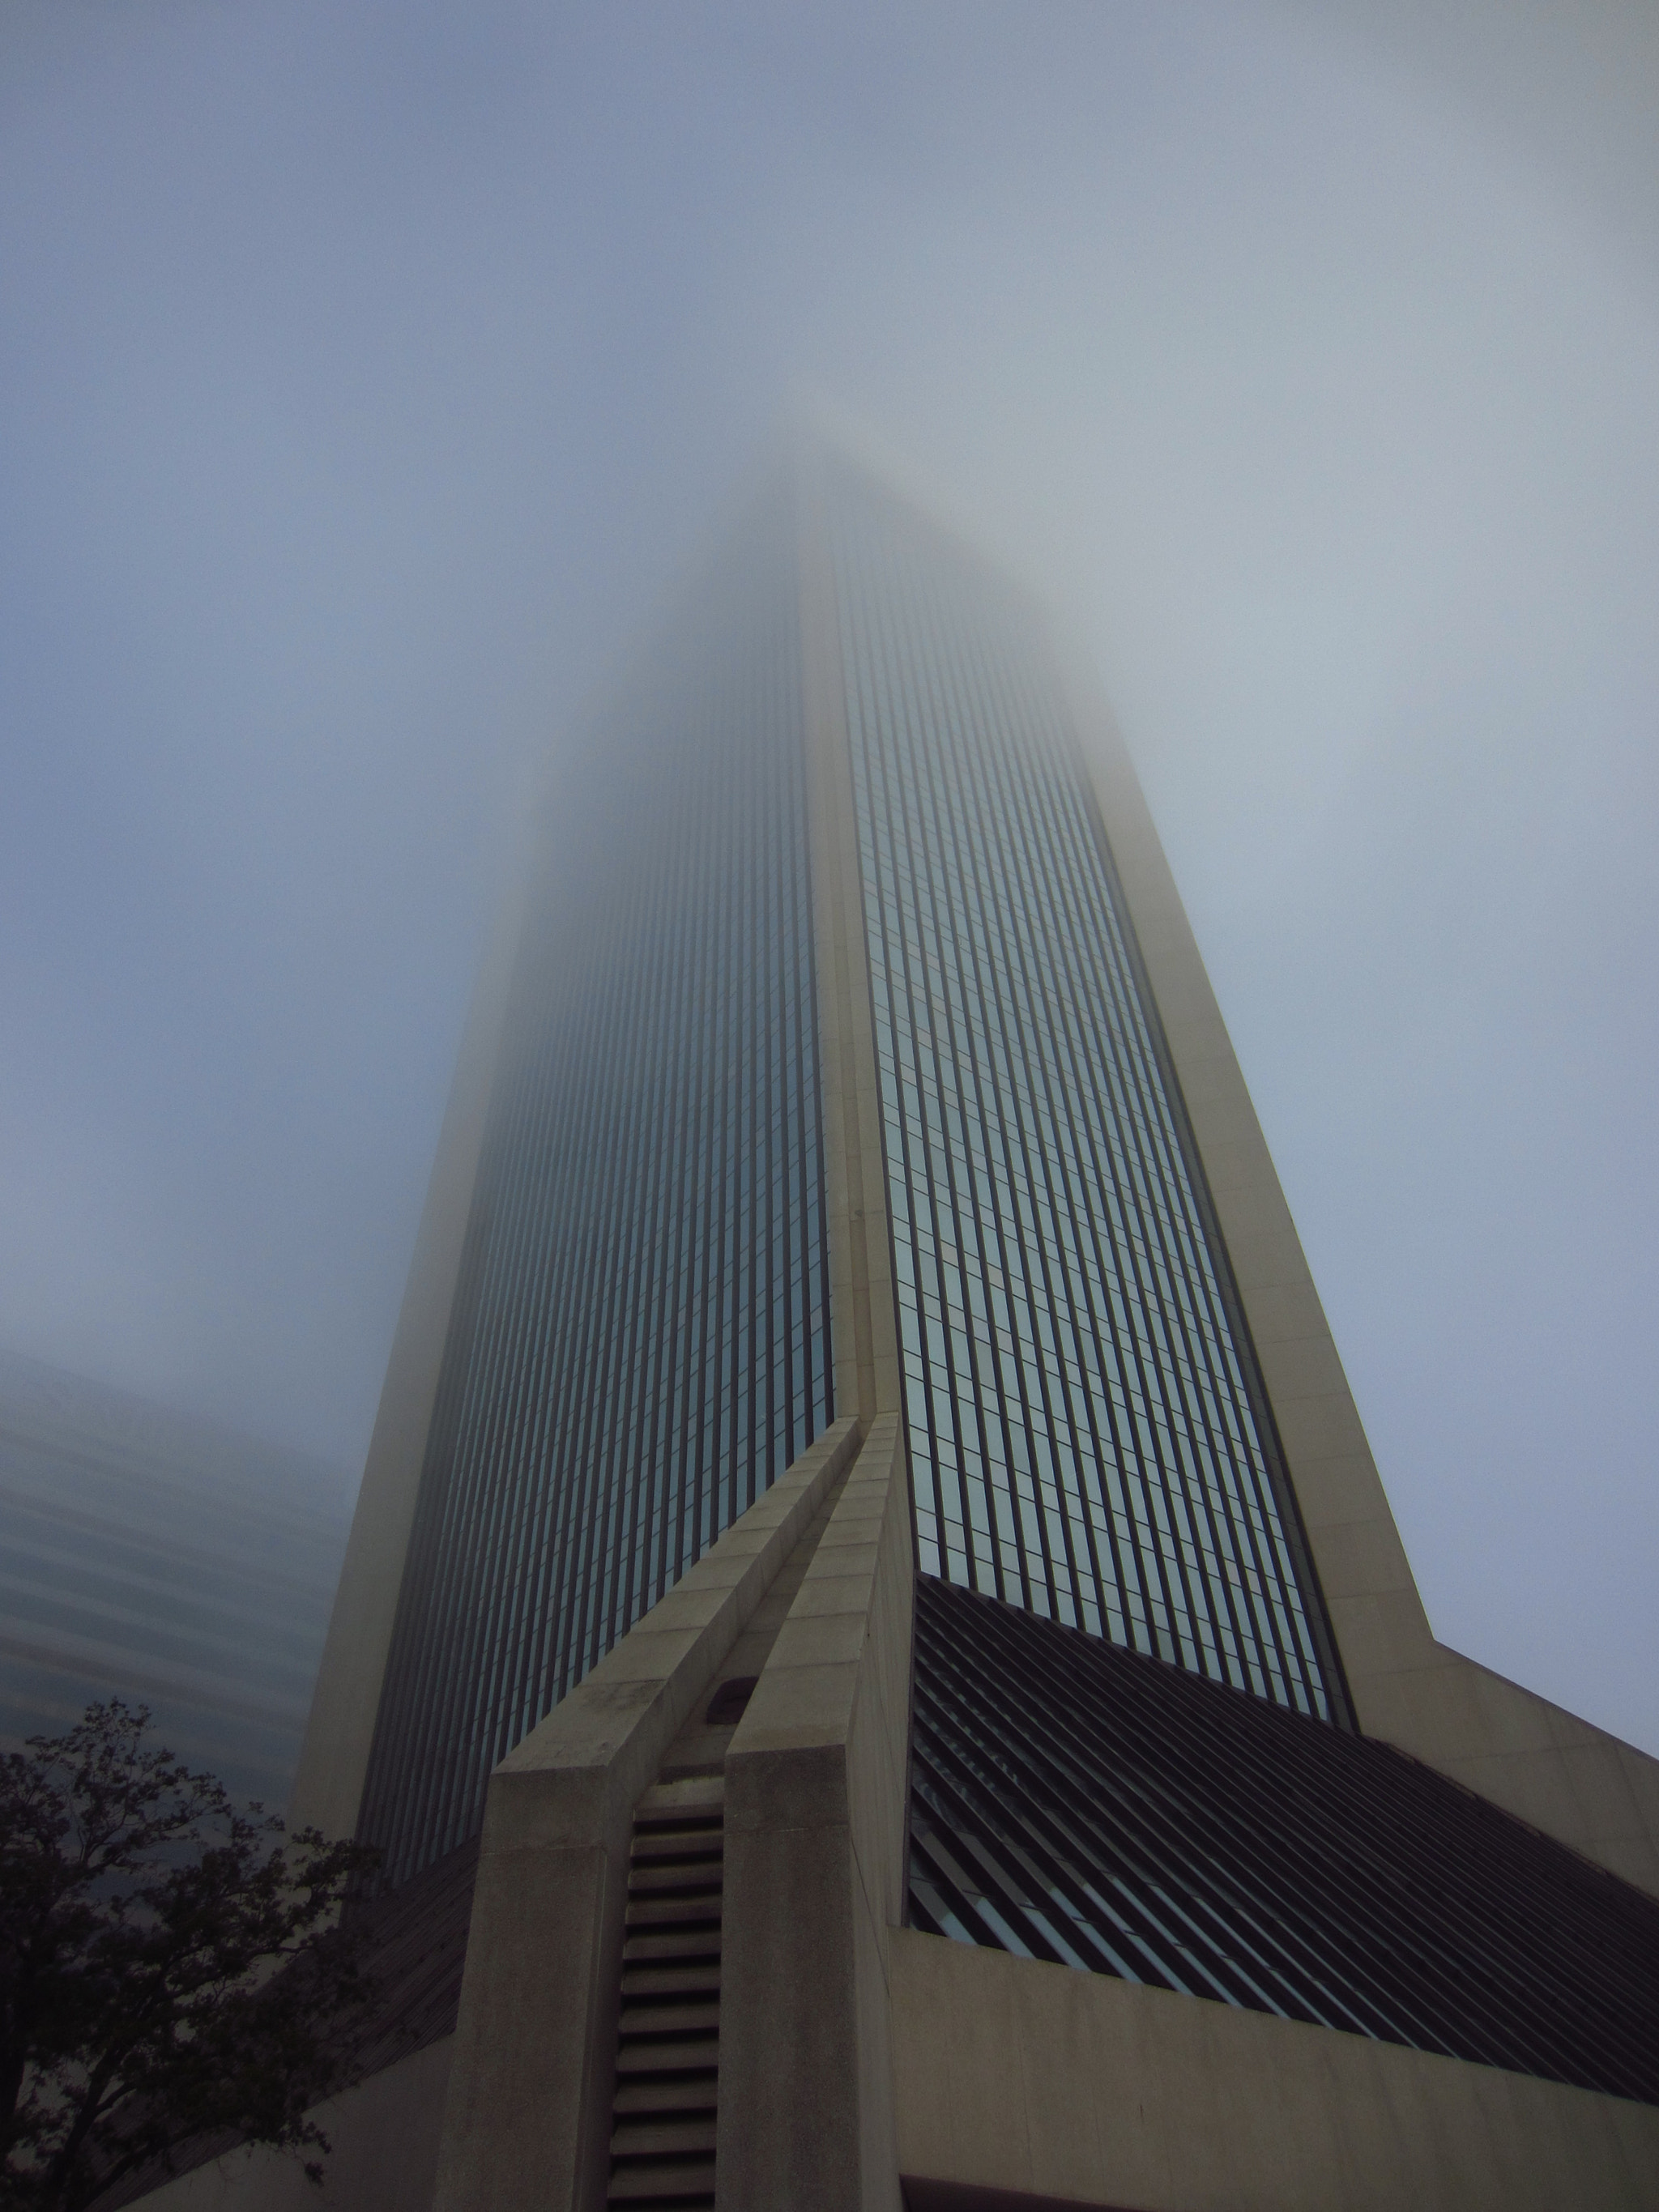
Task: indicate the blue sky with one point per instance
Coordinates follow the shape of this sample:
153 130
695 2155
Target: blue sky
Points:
366 370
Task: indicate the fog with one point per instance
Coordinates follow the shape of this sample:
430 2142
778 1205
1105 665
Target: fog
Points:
367 370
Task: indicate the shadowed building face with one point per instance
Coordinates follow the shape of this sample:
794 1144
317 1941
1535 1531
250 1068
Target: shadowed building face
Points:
639 1338
868 1540
638 1344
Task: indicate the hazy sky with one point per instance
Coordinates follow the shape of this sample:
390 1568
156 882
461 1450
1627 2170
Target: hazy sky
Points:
365 369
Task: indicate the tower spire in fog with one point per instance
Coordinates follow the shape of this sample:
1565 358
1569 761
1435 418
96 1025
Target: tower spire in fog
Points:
866 1516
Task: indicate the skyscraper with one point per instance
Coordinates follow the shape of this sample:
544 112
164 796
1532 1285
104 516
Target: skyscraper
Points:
867 1540
154 1557
638 1341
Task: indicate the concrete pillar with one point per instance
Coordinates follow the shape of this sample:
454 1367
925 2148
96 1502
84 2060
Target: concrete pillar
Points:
527 2123
816 1781
817 1773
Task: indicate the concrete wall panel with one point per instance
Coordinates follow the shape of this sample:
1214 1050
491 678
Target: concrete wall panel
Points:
1052 2084
815 1824
527 2123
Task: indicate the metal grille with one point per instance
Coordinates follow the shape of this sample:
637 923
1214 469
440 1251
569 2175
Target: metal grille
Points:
640 1340
1087 1435
1077 1803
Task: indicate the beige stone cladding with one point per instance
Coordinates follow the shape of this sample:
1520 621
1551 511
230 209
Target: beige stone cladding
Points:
864 1323
815 1772
513 2111
1573 1781
527 2121
1055 2086
815 1873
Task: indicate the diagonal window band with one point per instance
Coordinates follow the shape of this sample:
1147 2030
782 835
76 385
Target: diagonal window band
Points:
639 1342
1084 1440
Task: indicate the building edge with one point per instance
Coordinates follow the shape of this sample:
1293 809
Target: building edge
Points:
863 1326
334 1760
1563 1776
817 1774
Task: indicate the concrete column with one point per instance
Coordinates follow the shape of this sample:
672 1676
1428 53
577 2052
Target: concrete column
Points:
817 1773
527 2121
816 1780
864 1324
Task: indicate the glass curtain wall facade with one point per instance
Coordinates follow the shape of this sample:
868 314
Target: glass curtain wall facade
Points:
1085 1440
639 1344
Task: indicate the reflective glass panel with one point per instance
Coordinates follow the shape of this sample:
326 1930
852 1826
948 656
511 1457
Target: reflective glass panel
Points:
1083 1435
640 1342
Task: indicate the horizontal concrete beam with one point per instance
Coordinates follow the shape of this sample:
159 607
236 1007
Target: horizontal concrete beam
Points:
527 2120
1051 2085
